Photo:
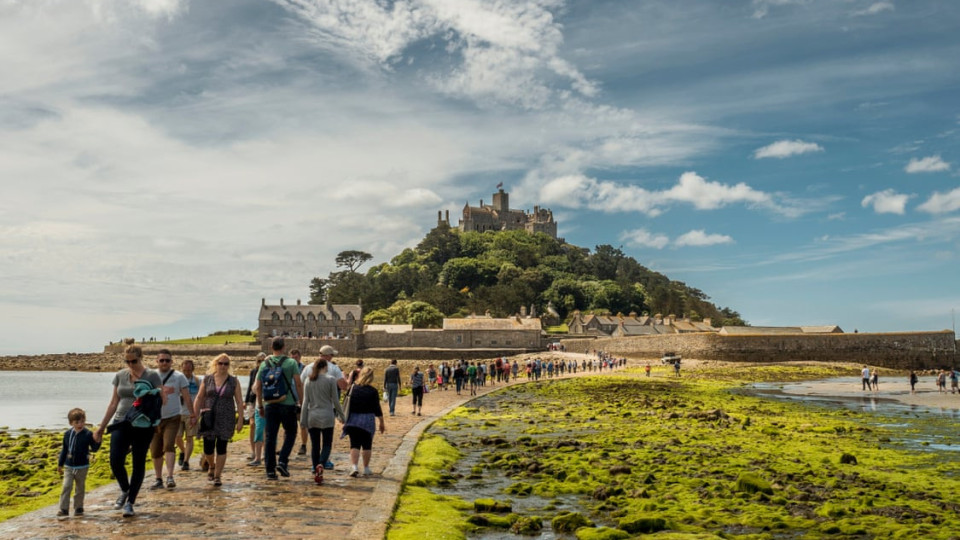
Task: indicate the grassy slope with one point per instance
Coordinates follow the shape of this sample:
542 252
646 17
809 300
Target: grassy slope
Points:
212 340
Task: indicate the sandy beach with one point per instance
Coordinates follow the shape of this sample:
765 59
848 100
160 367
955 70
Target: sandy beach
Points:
896 389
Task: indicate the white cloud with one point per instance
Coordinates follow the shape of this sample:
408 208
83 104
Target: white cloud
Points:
509 51
941 203
875 8
645 238
579 190
887 201
786 148
927 164
762 7
699 238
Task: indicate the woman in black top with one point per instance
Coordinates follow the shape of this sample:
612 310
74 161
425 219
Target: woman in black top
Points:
363 414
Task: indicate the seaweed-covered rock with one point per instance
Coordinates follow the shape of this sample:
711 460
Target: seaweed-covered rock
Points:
601 533
569 522
848 459
493 520
751 483
527 526
620 469
603 493
520 488
637 524
490 505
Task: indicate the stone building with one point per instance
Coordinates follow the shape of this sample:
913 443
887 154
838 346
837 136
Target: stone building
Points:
326 321
633 325
511 333
500 217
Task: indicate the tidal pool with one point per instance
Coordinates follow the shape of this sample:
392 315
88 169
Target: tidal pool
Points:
616 457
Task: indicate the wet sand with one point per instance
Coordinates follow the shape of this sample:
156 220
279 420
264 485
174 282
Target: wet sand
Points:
896 389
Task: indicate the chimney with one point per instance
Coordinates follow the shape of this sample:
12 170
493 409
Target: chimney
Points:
448 217
707 321
326 302
263 302
281 302
533 311
523 311
671 318
298 301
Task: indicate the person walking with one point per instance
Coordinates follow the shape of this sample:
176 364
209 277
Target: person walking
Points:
472 377
163 447
127 438
279 407
333 370
222 399
865 378
296 355
321 407
875 380
74 461
250 400
362 416
458 375
188 429
391 385
416 385
913 381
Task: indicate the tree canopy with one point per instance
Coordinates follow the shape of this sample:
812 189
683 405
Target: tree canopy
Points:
457 273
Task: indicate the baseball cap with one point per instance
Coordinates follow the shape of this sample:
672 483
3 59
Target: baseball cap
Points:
328 350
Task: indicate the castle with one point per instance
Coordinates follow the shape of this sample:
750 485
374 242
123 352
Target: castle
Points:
500 217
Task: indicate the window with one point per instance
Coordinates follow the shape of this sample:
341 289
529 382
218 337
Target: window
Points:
493 342
476 342
507 342
299 317
287 317
311 317
458 339
275 316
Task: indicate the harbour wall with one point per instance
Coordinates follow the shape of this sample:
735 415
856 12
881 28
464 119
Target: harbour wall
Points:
895 350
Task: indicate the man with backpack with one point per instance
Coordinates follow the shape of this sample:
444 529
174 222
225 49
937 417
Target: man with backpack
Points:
278 390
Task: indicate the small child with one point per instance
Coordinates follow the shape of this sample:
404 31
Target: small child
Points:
259 425
75 458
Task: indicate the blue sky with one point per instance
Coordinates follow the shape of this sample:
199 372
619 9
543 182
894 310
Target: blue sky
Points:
167 163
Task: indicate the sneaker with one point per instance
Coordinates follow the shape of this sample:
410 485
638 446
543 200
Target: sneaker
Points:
170 483
185 466
318 475
367 471
217 482
180 459
282 469
121 500
302 451
78 512
354 472
128 510
254 463
271 476
204 466
62 513
158 484
328 465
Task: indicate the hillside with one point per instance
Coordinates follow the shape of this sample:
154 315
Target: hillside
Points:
459 273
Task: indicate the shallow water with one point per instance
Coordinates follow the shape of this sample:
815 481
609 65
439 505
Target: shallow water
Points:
41 399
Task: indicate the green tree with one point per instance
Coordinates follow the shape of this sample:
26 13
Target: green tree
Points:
352 260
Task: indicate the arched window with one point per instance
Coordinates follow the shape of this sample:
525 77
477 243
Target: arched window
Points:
287 317
311 317
336 316
275 316
299 317
350 316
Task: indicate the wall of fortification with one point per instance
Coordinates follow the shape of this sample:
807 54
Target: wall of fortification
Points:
311 346
455 339
434 355
151 349
900 350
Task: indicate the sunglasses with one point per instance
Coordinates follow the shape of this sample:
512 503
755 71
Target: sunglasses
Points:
131 362
164 360
223 363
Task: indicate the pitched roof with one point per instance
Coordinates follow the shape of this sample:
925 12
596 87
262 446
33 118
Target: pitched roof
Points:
684 326
826 329
512 323
342 310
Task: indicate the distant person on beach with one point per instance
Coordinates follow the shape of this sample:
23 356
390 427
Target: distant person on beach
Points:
256 421
321 407
363 415
646 369
432 376
458 376
941 381
954 379
514 369
913 381
416 385
472 377
391 385
875 380
445 373
127 438
280 409
220 395
188 430
865 378
74 462
676 367
163 447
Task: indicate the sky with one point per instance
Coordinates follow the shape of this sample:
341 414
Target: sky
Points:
166 164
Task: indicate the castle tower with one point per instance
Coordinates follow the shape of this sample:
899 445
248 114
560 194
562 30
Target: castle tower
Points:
501 201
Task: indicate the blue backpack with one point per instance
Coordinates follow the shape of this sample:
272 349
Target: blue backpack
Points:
273 381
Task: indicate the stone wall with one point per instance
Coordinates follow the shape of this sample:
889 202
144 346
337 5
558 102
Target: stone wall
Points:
436 354
311 346
151 349
455 339
900 350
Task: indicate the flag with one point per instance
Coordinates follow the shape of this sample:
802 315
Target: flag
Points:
500 185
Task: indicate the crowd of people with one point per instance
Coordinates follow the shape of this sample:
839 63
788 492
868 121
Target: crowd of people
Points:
164 410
